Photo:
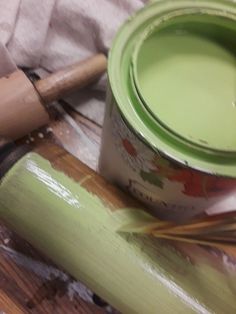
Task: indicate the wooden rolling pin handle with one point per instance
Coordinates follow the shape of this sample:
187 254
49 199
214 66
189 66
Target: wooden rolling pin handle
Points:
22 106
71 78
21 109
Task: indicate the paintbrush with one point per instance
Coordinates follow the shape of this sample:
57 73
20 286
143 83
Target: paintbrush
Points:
218 230
26 106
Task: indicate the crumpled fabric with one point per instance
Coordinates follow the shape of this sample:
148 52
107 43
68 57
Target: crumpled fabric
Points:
50 34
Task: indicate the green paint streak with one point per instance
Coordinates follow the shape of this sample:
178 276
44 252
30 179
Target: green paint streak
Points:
136 274
152 178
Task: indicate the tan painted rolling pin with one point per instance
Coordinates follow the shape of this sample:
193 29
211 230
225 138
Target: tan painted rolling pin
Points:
24 105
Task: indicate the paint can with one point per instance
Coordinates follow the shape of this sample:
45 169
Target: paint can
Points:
169 135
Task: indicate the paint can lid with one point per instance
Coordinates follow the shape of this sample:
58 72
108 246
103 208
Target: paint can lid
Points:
184 110
185 76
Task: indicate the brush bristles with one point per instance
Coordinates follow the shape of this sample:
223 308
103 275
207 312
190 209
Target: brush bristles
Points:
218 230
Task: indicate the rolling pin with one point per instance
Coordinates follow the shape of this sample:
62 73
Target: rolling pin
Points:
66 211
25 106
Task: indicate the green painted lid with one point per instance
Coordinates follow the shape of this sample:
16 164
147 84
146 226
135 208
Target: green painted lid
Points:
185 75
172 71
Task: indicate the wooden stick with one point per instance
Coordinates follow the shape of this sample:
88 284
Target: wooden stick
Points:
71 78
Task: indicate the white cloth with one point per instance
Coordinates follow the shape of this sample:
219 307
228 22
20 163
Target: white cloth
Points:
50 34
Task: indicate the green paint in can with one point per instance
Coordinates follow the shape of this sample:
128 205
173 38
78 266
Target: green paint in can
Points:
186 73
172 75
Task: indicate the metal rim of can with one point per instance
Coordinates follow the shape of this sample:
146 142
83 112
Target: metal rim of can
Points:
120 73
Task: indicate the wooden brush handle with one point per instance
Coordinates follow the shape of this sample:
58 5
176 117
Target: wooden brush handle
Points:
71 78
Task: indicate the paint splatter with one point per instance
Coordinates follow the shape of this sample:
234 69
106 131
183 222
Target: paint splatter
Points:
49 130
40 135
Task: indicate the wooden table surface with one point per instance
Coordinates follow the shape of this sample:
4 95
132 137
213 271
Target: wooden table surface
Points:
29 283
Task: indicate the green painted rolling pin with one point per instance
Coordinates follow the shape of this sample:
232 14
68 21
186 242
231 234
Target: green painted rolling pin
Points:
66 211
